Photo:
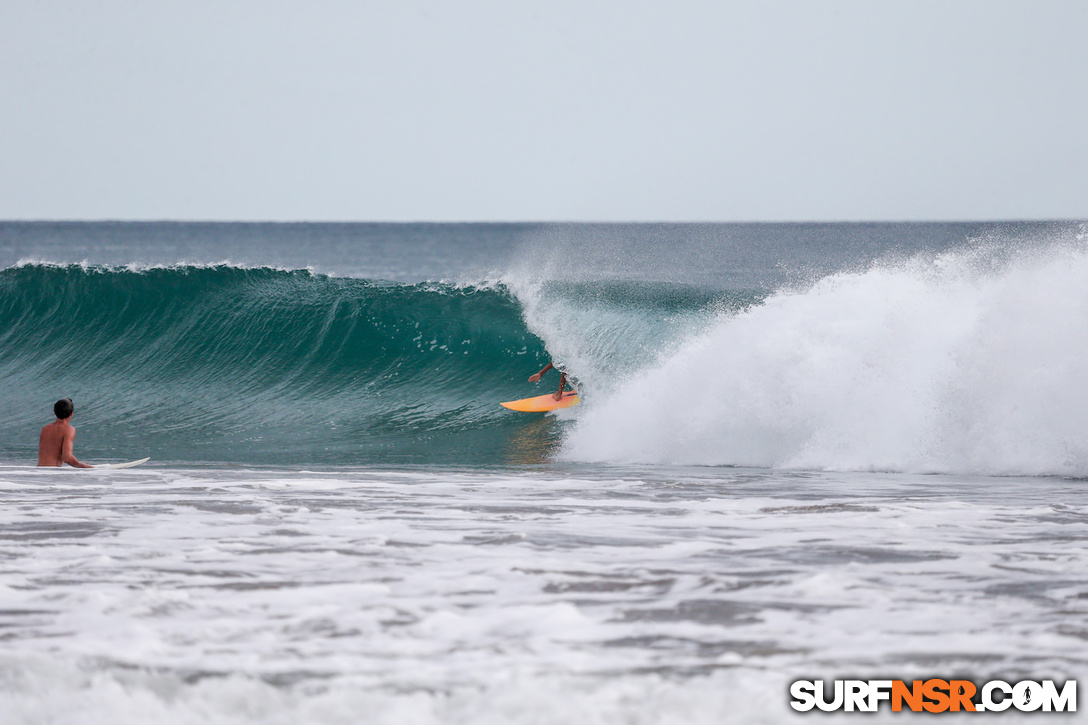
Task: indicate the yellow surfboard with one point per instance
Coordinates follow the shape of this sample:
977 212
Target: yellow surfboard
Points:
542 403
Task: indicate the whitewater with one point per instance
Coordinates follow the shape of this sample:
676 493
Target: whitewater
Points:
965 362
804 452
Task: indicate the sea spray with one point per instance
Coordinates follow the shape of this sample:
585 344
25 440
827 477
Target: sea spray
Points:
603 332
967 361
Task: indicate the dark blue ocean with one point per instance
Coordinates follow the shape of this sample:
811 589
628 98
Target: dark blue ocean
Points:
820 450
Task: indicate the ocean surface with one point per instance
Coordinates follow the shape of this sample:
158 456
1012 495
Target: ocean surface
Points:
824 451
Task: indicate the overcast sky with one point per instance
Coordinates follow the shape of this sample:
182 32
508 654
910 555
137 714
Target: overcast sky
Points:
418 110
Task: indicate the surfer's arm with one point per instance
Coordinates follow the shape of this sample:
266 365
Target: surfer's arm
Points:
66 453
535 378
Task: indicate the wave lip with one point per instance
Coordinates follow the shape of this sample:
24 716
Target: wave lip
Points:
972 361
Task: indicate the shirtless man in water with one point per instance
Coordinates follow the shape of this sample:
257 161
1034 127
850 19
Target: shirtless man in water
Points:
56 439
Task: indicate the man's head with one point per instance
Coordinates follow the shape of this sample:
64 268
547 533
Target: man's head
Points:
64 408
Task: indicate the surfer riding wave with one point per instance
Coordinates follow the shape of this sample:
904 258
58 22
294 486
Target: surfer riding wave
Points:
562 379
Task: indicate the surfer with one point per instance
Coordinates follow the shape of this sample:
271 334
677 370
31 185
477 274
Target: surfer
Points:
56 439
562 379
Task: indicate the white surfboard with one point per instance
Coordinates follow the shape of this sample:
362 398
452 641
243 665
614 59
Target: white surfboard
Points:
126 464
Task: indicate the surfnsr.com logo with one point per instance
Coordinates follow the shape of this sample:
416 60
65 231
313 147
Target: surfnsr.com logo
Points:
934 695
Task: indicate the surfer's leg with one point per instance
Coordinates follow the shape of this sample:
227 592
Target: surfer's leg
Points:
562 384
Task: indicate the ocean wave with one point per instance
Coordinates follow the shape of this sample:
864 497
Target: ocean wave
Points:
968 361
225 361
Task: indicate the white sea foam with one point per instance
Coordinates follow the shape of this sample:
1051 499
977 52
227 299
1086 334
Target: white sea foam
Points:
972 361
43 692
434 596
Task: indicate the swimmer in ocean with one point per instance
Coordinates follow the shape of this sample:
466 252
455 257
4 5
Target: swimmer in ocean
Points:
57 438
